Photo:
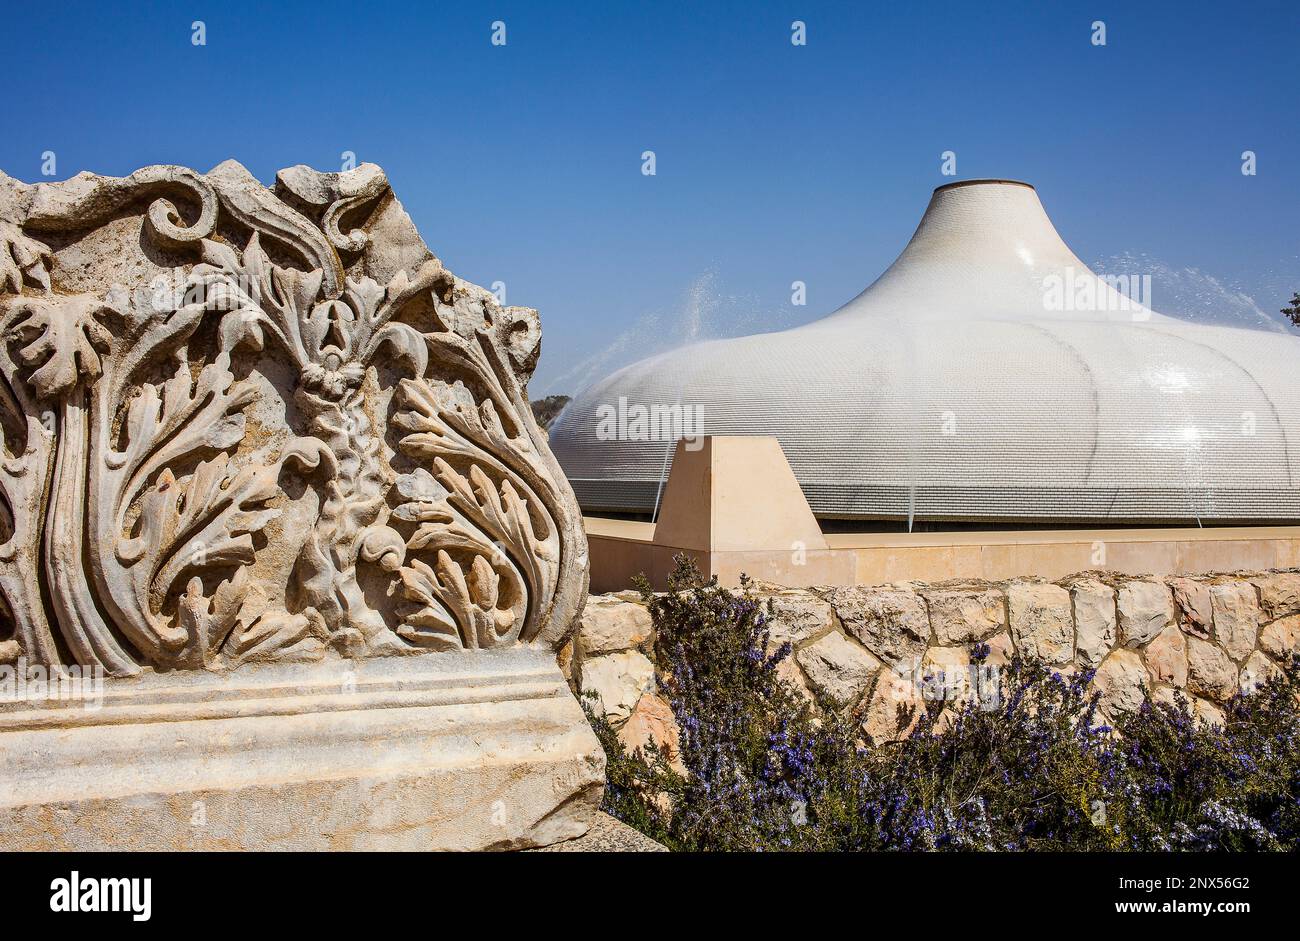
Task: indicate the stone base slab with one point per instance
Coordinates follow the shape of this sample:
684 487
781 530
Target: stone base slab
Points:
607 835
481 750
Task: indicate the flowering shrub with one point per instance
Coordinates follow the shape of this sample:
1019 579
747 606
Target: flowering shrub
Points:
761 769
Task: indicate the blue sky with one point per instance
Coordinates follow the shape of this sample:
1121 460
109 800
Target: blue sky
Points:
774 162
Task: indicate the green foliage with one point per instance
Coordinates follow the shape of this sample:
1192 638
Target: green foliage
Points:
1293 309
546 410
1029 768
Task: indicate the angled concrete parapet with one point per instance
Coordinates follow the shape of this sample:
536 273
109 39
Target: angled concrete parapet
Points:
734 494
733 504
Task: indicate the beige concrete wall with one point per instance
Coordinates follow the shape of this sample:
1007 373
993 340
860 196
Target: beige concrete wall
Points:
621 549
1054 554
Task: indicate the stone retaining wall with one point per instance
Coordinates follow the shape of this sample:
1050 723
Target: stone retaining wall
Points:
876 647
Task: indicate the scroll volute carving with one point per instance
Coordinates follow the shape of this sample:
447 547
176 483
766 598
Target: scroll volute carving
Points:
281 439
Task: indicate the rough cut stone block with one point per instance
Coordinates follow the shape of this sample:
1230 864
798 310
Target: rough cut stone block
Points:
799 616
1001 649
789 672
1210 672
1281 639
964 616
1094 620
1192 600
1042 622
1236 618
838 668
893 709
485 750
890 623
946 673
1122 682
610 625
1208 713
1279 593
1204 711
618 680
1145 609
1257 671
652 721
1166 657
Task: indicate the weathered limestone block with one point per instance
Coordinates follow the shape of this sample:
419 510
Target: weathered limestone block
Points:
652 721
798 616
946 673
1122 682
1204 711
891 623
1192 600
789 672
1094 620
1208 713
249 425
838 668
1001 650
610 625
617 680
1281 639
1236 617
1257 671
1145 609
1166 657
1042 621
961 616
1279 593
1210 672
893 709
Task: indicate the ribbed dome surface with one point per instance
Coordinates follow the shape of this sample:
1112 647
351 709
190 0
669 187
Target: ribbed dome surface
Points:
966 384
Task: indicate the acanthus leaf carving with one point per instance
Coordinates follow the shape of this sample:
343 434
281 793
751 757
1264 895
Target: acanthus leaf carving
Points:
209 478
23 260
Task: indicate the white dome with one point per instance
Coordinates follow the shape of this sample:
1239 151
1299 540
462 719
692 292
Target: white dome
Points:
989 376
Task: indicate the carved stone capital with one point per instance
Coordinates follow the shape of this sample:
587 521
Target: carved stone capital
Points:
252 424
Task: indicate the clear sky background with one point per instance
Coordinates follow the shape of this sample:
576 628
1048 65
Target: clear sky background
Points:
775 163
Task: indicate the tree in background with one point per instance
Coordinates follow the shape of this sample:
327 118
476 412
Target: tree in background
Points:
1293 311
548 409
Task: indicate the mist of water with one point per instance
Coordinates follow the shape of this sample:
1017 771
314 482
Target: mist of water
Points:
703 312
1200 297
